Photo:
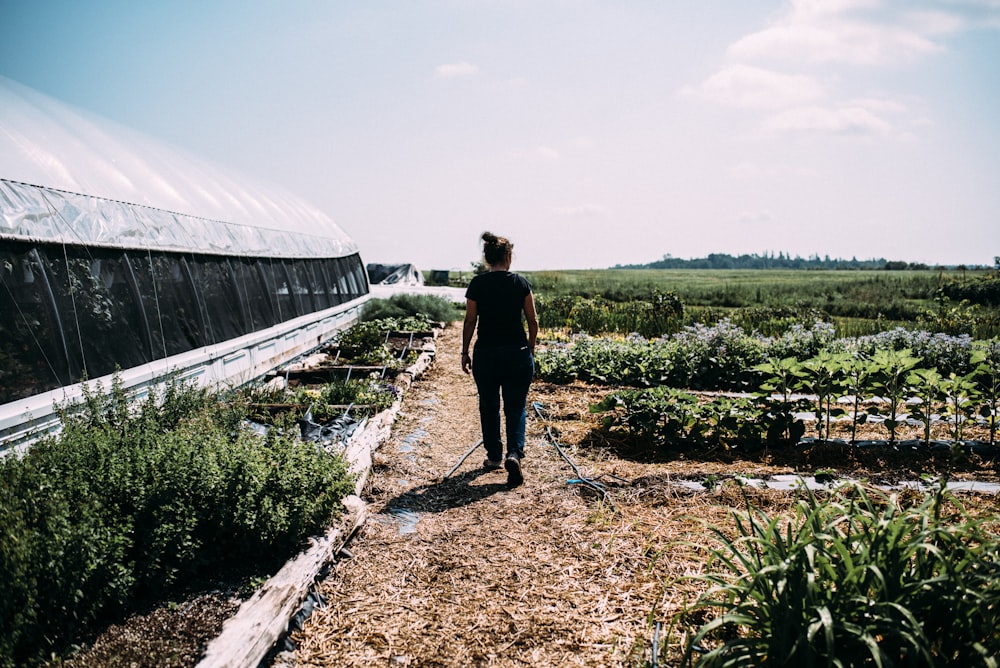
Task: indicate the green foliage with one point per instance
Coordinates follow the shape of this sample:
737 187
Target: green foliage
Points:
824 376
369 336
401 306
668 418
984 290
327 400
664 416
782 378
986 358
661 415
926 383
132 500
857 301
854 580
950 318
892 369
719 357
632 362
960 394
857 376
654 315
774 320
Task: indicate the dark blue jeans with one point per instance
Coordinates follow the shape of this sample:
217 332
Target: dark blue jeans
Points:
503 371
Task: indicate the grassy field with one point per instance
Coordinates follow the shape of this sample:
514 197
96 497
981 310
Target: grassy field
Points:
858 301
744 287
892 296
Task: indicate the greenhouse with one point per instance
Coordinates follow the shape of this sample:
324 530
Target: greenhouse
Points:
118 253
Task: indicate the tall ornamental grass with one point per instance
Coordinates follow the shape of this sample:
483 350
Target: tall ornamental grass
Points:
857 579
135 501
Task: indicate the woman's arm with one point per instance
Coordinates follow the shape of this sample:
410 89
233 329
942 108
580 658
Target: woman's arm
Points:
532 318
468 329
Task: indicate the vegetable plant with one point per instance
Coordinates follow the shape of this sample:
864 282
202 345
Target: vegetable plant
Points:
783 379
823 375
986 359
855 579
858 373
892 369
959 393
927 384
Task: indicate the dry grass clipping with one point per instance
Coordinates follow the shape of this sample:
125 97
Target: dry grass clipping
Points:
545 574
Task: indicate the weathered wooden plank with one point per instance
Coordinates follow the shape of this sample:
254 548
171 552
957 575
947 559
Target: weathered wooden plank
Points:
325 374
262 619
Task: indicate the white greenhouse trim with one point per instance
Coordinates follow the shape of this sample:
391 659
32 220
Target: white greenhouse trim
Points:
229 364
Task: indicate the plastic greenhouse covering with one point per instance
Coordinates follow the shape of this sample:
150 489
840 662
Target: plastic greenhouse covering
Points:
116 251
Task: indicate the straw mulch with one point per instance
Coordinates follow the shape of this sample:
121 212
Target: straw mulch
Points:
466 572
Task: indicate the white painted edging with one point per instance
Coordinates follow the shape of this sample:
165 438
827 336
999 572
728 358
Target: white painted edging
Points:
262 619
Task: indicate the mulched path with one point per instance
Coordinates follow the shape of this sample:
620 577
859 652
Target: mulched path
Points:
468 572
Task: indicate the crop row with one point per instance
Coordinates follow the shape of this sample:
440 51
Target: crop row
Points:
953 380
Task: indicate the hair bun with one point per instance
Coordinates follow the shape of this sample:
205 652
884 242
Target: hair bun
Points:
490 238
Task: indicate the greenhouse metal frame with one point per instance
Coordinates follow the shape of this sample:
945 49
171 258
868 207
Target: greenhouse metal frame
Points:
110 271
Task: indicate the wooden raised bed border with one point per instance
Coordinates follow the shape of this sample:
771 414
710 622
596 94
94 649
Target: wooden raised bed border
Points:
262 620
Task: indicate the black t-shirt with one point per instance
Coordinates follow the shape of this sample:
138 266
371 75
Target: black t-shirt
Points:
499 297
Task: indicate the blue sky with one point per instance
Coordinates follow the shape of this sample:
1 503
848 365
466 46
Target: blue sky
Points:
590 133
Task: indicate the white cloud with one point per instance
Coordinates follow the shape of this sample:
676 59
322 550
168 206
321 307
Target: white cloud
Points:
580 210
452 70
847 120
813 8
754 87
547 153
845 31
834 41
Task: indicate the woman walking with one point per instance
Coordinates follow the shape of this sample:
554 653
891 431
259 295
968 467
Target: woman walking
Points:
503 360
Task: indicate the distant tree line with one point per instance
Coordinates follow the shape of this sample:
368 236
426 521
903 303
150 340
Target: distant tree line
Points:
779 261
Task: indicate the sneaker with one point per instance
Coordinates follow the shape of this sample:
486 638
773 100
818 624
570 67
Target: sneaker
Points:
513 466
491 465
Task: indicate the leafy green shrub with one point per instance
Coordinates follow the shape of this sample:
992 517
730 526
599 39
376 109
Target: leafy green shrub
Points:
660 313
131 501
401 306
800 341
718 357
633 362
343 392
365 338
775 320
667 418
854 580
981 290
946 352
986 357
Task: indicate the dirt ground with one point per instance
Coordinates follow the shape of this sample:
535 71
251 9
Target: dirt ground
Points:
465 571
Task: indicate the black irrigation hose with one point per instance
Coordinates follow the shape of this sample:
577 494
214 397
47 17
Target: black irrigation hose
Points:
582 479
464 457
